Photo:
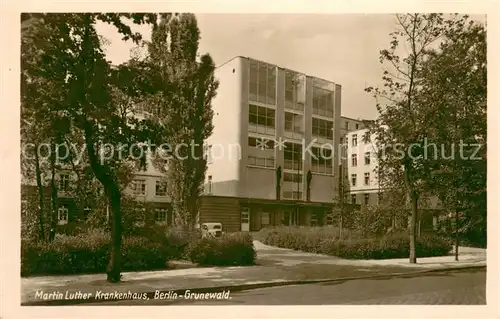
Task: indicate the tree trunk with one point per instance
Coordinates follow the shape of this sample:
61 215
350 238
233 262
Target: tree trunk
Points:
53 211
414 213
457 240
413 228
53 196
41 210
114 265
112 191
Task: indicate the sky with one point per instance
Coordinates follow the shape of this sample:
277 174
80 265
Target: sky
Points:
342 48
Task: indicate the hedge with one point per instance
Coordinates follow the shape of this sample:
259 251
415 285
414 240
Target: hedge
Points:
89 253
148 250
386 247
229 250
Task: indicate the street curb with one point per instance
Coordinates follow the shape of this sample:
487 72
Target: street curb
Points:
243 287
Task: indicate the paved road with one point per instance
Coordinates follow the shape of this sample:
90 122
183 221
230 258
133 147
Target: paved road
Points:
445 288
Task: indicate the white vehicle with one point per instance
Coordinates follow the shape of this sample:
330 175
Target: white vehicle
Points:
211 230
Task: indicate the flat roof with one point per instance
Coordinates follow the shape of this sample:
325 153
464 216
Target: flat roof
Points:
278 66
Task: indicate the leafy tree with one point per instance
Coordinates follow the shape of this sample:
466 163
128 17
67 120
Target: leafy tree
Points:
67 64
180 95
454 87
400 126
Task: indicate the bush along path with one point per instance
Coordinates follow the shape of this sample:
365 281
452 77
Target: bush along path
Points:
384 247
88 252
275 267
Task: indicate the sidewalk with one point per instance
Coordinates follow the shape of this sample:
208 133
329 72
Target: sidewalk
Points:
276 266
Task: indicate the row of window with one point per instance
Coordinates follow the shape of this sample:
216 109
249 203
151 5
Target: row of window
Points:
63 214
354 179
264 116
354 141
366 198
261 161
138 188
292 195
354 159
346 125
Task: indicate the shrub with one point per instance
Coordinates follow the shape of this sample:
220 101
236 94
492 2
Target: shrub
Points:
229 250
395 245
89 253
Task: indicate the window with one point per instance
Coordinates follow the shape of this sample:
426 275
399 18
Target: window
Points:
261 161
209 184
354 140
346 125
321 160
367 199
353 199
161 215
357 126
64 182
161 188
290 177
62 214
265 219
322 102
294 91
292 195
354 160
139 187
262 82
293 156
367 158
367 138
260 116
322 128
353 179
293 122
367 178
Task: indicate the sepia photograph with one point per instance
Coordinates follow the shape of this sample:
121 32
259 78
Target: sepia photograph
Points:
251 159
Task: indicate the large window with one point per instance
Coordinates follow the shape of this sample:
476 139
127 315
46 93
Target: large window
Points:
354 160
294 91
322 160
293 156
322 128
260 118
354 140
138 187
262 82
322 102
367 178
293 122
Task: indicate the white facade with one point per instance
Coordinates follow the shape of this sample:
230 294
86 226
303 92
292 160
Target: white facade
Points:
361 162
258 102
